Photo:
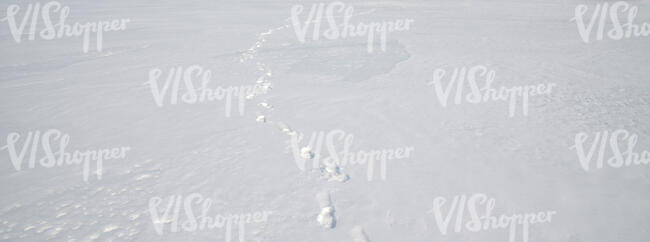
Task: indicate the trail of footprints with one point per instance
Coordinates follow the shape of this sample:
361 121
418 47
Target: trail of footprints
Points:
330 172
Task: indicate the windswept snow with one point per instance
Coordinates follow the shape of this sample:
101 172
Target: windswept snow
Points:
241 155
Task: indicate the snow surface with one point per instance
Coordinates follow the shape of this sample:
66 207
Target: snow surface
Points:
245 163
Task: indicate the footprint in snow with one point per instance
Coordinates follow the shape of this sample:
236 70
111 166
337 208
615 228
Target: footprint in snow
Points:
326 216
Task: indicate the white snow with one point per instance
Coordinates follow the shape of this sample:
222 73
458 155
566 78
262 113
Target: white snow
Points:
242 163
